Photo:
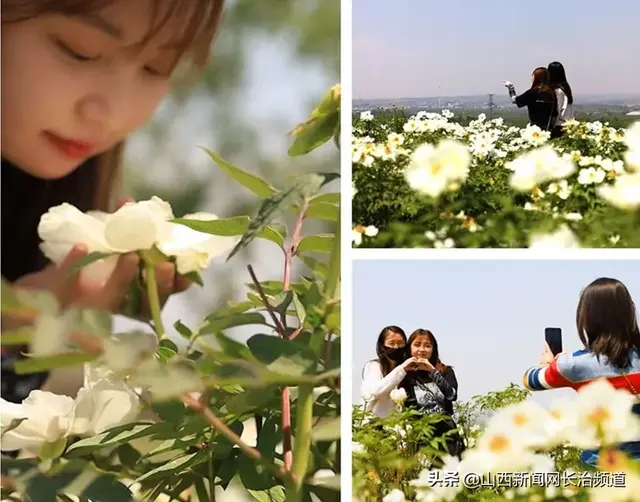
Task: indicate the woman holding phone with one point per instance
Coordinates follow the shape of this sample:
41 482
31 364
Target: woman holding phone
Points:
382 375
540 100
608 328
432 387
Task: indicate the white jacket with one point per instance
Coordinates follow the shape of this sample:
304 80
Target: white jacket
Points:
376 389
565 109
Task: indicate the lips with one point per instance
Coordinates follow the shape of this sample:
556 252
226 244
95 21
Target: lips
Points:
72 148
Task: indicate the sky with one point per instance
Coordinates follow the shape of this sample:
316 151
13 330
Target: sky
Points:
488 316
411 48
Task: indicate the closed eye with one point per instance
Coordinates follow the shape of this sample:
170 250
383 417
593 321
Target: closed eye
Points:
72 53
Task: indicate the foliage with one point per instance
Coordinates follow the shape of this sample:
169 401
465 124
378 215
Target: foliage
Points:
198 400
510 192
506 435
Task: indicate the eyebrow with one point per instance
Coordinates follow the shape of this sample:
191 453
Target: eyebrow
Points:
97 21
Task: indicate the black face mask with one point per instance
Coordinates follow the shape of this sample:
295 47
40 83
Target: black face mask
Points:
396 355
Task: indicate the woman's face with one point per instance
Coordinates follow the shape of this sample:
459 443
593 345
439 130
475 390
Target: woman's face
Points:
422 348
73 87
394 340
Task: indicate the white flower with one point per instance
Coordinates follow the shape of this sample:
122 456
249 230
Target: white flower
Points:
624 193
561 188
357 448
573 216
538 166
432 170
370 231
366 116
135 226
604 416
194 250
398 396
561 238
534 135
591 176
48 418
526 418
356 237
498 450
394 495
103 402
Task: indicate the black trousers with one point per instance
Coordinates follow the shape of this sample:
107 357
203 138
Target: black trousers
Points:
556 132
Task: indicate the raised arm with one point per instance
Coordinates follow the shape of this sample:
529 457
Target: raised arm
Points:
374 385
447 383
550 376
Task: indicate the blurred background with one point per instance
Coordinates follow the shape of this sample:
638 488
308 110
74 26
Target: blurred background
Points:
271 63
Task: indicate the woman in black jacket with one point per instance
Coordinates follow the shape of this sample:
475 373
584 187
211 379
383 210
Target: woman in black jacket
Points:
433 387
540 100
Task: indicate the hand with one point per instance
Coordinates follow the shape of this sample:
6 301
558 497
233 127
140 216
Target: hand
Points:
507 83
547 356
424 364
69 288
410 364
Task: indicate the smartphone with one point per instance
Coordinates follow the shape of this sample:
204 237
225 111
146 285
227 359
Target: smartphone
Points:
553 337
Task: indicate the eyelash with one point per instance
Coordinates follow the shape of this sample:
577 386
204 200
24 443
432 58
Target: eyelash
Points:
87 59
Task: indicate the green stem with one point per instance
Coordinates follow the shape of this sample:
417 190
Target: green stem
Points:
333 273
302 448
154 299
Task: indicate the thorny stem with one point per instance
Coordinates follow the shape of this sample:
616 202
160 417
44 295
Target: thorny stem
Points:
154 299
290 252
304 424
195 404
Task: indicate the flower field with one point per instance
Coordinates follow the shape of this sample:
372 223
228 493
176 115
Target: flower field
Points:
428 181
516 450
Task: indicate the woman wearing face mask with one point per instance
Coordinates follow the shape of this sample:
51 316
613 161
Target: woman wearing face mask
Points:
608 328
433 387
380 376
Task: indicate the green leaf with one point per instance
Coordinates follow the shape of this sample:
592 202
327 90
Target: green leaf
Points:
274 494
194 277
128 455
53 449
228 227
117 436
267 212
12 425
20 336
300 310
201 490
184 331
255 476
316 132
254 183
232 348
271 234
166 349
328 430
87 260
319 268
251 399
282 356
106 489
324 211
40 364
325 198
214 324
316 243
175 466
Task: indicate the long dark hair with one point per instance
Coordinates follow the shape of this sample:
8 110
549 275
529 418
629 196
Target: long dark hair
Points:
606 321
558 79
386 364
435 354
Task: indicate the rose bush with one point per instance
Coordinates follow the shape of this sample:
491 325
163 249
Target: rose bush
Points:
160 420
428 181
514 446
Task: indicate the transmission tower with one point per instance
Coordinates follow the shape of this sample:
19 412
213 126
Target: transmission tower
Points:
439 99
491 106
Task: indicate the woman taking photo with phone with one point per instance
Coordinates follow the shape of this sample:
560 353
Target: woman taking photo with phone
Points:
540 100
432 387
381 376
564 95
608 328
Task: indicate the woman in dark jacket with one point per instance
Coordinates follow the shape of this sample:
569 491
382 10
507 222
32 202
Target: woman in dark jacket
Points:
433 387
540 100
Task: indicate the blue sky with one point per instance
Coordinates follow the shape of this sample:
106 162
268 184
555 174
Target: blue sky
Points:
488 316
409 48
